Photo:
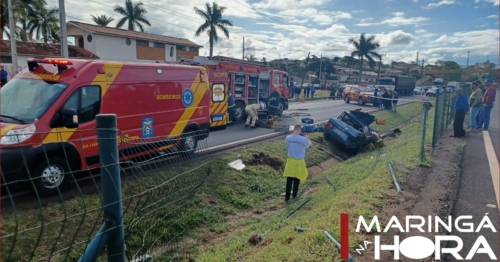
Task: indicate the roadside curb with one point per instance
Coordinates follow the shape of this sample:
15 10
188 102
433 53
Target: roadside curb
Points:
455 189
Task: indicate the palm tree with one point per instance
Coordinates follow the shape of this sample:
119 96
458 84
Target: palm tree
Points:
43 22
134 13
263 61
251 58
21 10
102 20
365 47
213 21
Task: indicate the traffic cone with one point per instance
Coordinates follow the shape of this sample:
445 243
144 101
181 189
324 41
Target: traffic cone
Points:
302 99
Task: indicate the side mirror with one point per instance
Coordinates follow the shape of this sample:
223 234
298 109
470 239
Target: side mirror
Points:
380 122
70 118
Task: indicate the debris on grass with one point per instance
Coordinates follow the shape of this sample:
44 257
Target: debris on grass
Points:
237 164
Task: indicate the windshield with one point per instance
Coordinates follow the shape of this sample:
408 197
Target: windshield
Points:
385 82
28 99
437 83
367 89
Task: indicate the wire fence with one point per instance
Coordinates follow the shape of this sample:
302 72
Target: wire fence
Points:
70 192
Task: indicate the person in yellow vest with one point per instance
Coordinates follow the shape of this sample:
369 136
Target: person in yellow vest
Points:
253 114
230 108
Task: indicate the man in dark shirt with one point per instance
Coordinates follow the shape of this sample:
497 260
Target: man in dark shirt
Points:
461 107
488 100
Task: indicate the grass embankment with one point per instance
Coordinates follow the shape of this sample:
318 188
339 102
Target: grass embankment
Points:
152 221
356 186
320 94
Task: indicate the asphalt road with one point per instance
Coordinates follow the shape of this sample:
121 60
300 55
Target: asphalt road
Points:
319 110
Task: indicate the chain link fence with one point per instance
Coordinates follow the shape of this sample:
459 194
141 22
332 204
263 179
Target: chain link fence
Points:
101 201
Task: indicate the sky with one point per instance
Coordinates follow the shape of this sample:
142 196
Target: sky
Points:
437 29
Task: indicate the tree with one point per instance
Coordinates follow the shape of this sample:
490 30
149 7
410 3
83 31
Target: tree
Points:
44 23
451 70
251 58
365 47
134 14
102 20
213 21
263 61
336 59
327 67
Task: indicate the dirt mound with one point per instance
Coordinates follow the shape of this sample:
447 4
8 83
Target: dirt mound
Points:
263 159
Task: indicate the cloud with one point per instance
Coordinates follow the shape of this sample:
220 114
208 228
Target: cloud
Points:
396 38
398 19
440 3
493 16
494 2
313 15
280 5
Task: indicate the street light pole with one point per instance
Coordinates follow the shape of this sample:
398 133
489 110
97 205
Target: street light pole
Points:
13 47
64 34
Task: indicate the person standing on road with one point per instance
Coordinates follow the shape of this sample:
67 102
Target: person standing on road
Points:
253 114
488 100
475 105
395 97
461 108
4 75
306 91
295 168
375 98
313 90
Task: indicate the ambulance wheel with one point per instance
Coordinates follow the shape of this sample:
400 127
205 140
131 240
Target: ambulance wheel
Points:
50 177
346 100
189 142
239 111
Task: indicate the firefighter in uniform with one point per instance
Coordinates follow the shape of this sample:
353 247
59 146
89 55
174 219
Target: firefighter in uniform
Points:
230 107
274 103
253 114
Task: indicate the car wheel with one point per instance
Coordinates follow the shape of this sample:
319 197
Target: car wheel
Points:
50 177
360 102
189 142
346 100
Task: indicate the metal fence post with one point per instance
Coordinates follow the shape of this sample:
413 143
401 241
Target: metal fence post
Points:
111 233
443 115
436 121
427 106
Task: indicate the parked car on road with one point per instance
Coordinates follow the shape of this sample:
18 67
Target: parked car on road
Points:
432 91
418 90
362 95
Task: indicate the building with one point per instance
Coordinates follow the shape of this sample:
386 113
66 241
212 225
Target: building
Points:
27 50
125 45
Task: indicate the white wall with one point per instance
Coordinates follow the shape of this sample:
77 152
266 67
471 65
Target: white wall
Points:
115 48
22 62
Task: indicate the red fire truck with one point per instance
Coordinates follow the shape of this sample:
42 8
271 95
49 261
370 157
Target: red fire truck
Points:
249 82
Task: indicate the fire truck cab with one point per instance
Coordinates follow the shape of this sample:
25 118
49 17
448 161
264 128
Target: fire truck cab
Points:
249 82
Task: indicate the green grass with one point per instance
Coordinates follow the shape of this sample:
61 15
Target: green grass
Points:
152 221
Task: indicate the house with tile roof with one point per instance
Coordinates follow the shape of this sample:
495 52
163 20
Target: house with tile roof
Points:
27 50
125 45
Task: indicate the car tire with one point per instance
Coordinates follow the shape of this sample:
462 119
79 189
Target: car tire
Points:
361 102
50 178
189 142
346 100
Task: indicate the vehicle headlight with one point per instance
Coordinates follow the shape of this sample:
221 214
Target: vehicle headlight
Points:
18 136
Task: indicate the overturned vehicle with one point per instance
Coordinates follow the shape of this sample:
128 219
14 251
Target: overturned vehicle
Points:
352 130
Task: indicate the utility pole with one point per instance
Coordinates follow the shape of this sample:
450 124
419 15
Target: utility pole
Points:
417 57
379 65
320 65
243 57
64 34
305 69
422 70
468 53
13 47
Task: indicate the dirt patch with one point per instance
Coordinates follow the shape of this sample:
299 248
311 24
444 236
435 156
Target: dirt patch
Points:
263 159
427 192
